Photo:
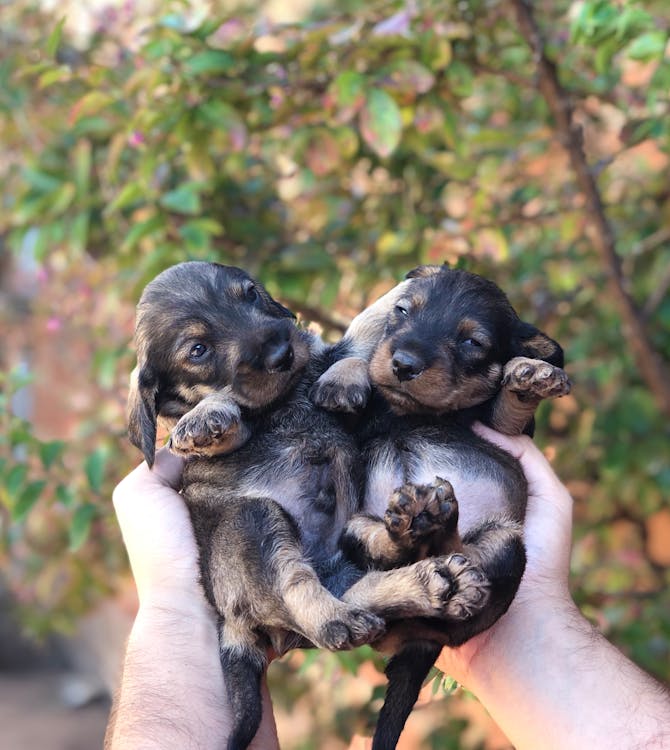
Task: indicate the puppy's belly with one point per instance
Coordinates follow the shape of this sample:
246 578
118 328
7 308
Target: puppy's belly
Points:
308 496
479 496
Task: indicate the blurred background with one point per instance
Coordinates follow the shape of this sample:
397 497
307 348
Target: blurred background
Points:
327 148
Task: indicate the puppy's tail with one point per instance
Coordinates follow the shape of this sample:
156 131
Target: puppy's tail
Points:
242 671
406 672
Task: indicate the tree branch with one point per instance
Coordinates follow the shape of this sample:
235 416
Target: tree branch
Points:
315 315
649 363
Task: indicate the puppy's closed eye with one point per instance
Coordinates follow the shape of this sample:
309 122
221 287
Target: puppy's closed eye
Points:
198 352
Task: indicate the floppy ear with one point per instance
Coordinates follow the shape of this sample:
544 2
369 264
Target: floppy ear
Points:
423 271
529 341
141 412
275 306
283 311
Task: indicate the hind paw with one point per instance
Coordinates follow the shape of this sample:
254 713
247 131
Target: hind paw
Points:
356 628
470 587
417 512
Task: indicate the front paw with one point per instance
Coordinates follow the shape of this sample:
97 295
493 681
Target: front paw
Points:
419 512
350 398
209 431
535 379
344 387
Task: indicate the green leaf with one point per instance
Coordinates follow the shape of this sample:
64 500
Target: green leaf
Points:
133 192
83 160
40 180
380 123
141 230
50 452
95 468
53 42
182 200
65 495
408 77
28 497
347 93
209 61
15 478
89 104
79 232
54 75
81 525
648 46
62 198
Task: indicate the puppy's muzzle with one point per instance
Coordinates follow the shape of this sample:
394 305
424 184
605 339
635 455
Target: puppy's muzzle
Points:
277 356
407 365
269 349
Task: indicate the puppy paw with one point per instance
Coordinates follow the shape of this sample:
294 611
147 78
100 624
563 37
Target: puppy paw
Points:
344 387
535 379
354 627
350 398
418 512
468 587
209 430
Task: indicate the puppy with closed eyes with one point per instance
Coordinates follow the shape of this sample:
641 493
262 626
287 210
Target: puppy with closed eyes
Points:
446 349
270 481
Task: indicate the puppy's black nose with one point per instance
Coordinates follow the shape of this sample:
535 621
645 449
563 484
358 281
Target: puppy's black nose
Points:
407 365
277 356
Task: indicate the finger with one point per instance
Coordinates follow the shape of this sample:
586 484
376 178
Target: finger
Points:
166 472
168 468
514 445
536 467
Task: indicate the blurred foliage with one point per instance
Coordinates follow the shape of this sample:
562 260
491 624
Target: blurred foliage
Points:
328 158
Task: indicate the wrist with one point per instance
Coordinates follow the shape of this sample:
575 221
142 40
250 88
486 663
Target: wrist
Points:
518 642
172 608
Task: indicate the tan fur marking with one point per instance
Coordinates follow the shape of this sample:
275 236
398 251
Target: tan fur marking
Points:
540 346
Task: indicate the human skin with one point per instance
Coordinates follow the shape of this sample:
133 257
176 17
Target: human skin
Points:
547 677
172 692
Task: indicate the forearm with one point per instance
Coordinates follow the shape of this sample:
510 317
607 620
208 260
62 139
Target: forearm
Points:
570 689
172 694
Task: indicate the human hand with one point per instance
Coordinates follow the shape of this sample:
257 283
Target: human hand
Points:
172 693
544 587
159 537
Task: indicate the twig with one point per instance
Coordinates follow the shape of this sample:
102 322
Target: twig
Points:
315 315
649 363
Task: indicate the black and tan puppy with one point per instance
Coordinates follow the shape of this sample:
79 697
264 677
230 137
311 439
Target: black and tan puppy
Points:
450 350
270 480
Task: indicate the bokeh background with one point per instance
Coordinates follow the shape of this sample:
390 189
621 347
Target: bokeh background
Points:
327 148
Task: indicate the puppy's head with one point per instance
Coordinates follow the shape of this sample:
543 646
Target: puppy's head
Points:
447 340
201 327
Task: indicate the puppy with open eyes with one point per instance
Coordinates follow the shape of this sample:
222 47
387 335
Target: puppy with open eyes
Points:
443 350
270 480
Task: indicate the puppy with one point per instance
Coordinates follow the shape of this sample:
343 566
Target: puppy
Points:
270 480
448 350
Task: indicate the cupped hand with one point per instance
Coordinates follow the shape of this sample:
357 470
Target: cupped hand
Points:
547 538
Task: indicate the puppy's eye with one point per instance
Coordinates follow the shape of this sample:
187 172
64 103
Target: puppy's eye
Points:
472 344
251 293
197 352
402 310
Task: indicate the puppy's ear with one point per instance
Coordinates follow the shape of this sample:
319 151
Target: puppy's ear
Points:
529 341
283 311
423 271
141 411
275 306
